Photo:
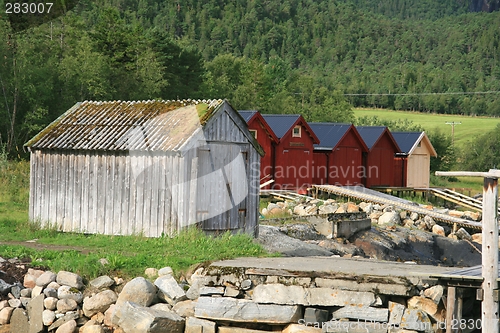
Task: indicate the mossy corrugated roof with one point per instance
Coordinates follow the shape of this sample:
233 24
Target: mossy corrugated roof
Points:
153 125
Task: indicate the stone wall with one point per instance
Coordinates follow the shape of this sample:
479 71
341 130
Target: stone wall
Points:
221 299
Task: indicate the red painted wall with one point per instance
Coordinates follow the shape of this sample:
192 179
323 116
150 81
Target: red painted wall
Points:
400 170
266 142
380 164
321 159
294 160
345 165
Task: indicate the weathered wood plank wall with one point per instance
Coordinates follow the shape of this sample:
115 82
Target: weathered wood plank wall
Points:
123 193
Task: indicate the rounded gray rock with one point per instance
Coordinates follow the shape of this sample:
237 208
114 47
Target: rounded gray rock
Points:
92 329
15 303
46 278
67 292
390 217
50 292
139 291
69 279
26 292
53 285
246 284
102 282
65 305
48 317
98 303
165 271
68 327
50 303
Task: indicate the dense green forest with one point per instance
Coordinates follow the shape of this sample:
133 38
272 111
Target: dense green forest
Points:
315 57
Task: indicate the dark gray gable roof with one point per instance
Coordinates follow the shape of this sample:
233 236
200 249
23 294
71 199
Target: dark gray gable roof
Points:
370 134
247 114
280 123
329 134
406 140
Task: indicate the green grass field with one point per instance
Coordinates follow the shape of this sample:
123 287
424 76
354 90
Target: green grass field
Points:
470 126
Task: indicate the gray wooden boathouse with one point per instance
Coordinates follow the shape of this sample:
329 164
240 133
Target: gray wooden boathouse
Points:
150 167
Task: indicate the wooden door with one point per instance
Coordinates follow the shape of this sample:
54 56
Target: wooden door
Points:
222 186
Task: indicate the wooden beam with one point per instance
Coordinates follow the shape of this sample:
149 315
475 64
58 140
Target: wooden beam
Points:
450 309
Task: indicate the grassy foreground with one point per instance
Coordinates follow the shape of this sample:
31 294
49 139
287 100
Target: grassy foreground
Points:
126 256
469 128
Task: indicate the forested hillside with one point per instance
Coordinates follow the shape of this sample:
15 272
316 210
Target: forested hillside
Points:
425 9
314 57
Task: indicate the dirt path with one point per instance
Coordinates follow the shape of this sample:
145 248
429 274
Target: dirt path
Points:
39 246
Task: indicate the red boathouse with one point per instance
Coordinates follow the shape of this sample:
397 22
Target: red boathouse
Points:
293 155
338 158
381 168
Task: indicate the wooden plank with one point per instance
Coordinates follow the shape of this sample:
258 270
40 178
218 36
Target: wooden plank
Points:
119 184
174 185
133 195
124 217
234 170
93 193
70 193
147 190
167 215
33 184
253 206
109 194
161 194
77 194
490 174
181 170
152 230
101 193
36 185
201 184
63 189
84 208
193 190
139 208
450 309
45 191
51 169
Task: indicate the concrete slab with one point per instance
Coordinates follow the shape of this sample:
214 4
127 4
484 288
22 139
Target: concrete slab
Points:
334 267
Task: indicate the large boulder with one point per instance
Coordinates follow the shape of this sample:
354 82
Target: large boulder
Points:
98 303
169 289
133 318
139 291
69 279
389 218
275 241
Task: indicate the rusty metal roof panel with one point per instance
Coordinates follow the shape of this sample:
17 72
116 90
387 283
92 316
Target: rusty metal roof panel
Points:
117 125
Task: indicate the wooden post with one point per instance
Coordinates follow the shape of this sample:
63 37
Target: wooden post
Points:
450 309
459 308
489 312
490 256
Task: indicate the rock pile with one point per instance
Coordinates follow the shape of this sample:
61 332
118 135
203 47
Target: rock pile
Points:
379 214
50 302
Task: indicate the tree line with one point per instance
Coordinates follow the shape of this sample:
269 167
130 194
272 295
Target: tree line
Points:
316 58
